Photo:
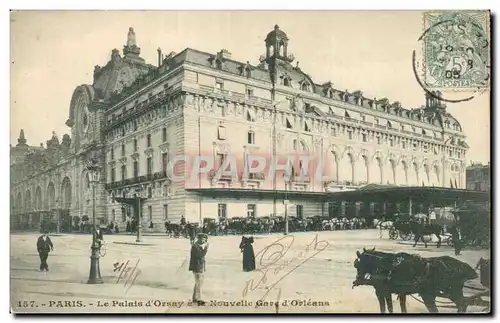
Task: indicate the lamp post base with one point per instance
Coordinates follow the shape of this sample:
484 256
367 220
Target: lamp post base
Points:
139 234
95 271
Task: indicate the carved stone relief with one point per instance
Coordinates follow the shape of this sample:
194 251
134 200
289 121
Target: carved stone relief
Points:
239 109
222 148
279 138
231 108
298 104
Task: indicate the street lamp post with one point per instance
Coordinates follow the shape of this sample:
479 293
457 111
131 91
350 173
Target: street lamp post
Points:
58 224
95 273
286 209
139 219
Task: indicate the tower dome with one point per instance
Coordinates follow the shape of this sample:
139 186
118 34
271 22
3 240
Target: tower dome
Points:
276 43
276 34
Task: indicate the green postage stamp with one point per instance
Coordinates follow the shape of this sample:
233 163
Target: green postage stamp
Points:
457 49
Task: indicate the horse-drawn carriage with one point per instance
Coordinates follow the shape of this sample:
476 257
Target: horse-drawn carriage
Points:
401 228
407 274
475 226
415 228
210 226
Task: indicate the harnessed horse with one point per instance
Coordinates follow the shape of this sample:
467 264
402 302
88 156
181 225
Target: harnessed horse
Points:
406 274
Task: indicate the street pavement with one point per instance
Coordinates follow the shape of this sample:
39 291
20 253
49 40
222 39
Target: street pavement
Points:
312 273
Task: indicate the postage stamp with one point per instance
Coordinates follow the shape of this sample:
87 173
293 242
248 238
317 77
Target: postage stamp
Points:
181 181
457 49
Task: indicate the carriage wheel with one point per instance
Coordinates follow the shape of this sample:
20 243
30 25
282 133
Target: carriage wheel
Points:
393 234
449 242
102 250
406 236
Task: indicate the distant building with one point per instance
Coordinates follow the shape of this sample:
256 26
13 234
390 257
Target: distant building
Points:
478 177
140 117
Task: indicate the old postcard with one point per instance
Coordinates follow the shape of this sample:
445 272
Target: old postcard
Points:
250 162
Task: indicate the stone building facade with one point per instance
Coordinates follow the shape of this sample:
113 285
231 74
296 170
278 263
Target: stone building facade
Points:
150 123
478 177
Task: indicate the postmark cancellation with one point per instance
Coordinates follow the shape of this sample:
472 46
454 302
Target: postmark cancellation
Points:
456 49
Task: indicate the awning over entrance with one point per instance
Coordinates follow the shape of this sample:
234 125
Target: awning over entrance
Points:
392 194
438 196
258 194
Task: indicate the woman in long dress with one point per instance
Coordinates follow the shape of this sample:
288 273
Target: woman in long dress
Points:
248 254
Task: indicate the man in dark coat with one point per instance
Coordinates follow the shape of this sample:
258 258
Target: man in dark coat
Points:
455 237
197 265
44 246
248 253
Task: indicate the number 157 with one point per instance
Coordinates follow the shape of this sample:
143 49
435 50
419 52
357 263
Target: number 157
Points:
26 303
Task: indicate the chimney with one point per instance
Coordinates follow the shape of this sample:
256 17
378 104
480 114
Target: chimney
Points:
159 56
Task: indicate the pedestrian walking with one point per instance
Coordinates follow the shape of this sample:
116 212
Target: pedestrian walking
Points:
455 237
44 246
197 265
248 253
432 216
382 220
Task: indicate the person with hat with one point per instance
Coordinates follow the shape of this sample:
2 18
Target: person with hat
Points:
44 246
197 265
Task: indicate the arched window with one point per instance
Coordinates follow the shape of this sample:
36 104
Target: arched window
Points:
379 164
436 175
351 163
271 50
335 169
365 173
393 171
282 49
287 82
304 86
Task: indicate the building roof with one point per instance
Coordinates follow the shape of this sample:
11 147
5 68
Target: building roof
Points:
394 194
120 72
433 112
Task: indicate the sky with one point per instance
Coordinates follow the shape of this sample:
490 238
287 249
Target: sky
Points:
53 52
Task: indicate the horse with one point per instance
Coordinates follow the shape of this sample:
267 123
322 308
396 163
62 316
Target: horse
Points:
405 274
382 224
172 229
420 230
366 276
327 225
